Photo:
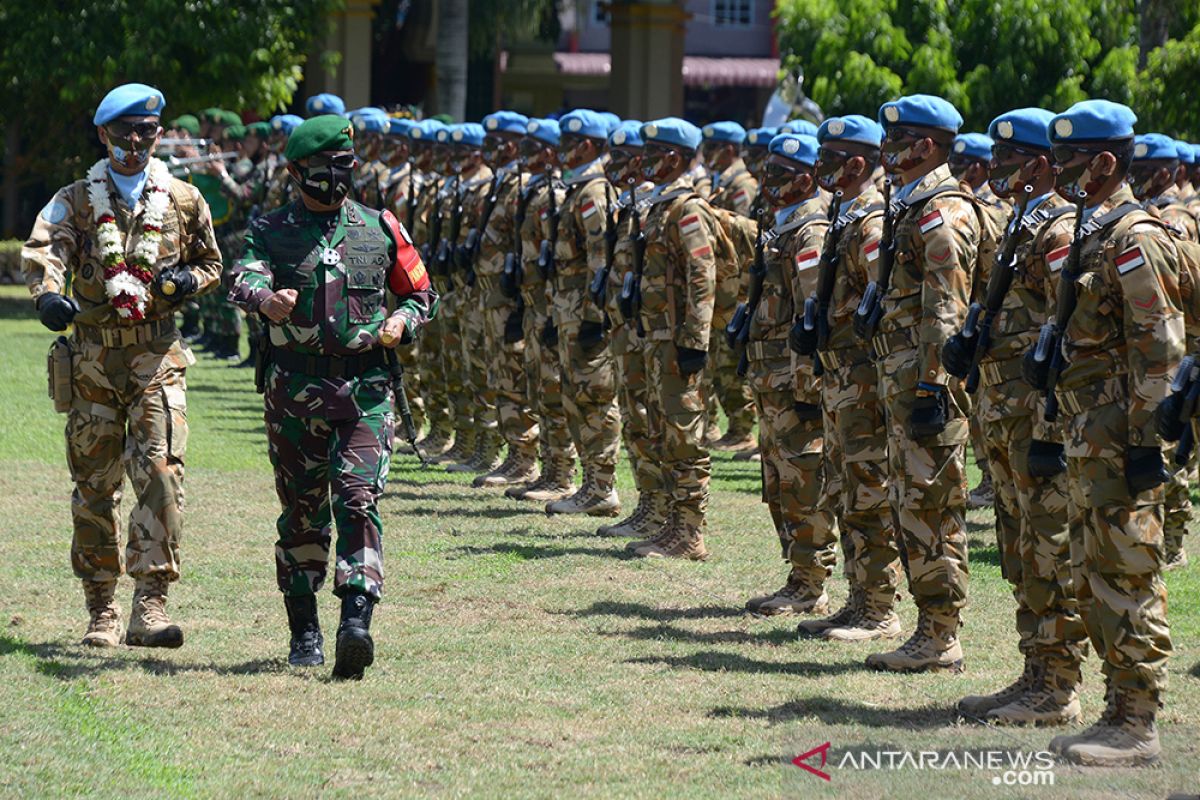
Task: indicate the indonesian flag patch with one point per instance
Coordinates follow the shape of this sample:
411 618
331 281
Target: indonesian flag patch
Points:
545 212
930 221
807 259
1056 258
739 195
588 209
871 251
1130 260
689 225
702 252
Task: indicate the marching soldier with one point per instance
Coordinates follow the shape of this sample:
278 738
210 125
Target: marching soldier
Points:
754 150
370 125
115 254
319 270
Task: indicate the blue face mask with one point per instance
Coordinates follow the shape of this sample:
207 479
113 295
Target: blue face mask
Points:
129 187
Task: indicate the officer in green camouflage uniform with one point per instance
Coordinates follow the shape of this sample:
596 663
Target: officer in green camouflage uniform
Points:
320 271
123 388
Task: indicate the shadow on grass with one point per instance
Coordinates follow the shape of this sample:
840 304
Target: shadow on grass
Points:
673 633
720 661
831 711
983 552
533 552
405 494
606 608
470 513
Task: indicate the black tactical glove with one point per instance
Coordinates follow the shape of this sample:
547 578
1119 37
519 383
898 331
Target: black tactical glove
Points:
802 340
591 335
690 361
957 354
550 334
514 327
1035 372
807 411
175 284
1144 469
930 411
1046 459
56 311
1166 417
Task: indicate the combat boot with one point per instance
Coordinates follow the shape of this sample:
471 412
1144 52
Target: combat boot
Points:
983 495
1128 739
558 481
798 596
735 441
838 619
518 467
436 443
593 499
680 541
1053 699
307 645
1059 744
753 454
934 645
462 449
104 627
663 531
149 625
647 517
976 707
1176 557
474 460
355 649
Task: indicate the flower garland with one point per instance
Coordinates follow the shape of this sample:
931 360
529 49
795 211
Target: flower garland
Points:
127 282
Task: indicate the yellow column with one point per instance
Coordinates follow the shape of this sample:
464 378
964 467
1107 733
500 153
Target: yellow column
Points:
350 37
646 77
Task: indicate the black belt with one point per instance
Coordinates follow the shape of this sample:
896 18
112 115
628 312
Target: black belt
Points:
328 366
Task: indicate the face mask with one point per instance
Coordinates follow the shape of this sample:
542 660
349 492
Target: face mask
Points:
1071 182
1142 183
122 152
897 157
657 169
830 172
327 184
1002 177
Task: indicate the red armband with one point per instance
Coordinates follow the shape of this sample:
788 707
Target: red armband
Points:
408 273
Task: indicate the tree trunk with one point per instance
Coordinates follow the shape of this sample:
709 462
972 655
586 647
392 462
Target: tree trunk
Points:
12 142
1154 21
451 66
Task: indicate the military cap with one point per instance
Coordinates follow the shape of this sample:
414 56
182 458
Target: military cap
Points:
611 120
798 126
400 126
729 132
285 123
426 130
230 118
851 128
1187 154
924 110
1023 126
627 134
212 114
798 147
468 133
973 145
326 132
1196 152
544 130
324 103
235 133
505 122
260 129
761 137
584 122
1093 121
442 135
130 99
370 123
186 122
672 131
1154 146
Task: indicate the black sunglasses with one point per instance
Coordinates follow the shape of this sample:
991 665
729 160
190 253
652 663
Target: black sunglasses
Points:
1066 153
899 133
125 130
1002 151
343 160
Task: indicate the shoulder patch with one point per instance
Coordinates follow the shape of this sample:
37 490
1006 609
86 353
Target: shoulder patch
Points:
1056 258
807 259
54 212
871 251
930 221
588 208
689 224
1130 260
702 252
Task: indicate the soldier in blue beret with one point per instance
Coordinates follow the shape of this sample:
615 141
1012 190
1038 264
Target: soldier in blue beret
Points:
969 158
754 149
1193 200
370 125
1153 176
732 185
804 126
324 103
1125 338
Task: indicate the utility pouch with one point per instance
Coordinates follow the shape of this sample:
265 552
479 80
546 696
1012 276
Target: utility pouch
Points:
58 368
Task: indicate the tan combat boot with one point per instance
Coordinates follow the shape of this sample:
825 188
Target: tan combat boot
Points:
735 441
462 449
594 498
486 457
753 454
1059 744
934 645
1175 556
646 518
799 595
1128 739
519 467
678 541
976 707
436 443
104 627
149 625
983 495
841 617
557 483
1053 699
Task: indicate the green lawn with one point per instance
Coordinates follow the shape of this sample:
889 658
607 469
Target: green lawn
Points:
518 656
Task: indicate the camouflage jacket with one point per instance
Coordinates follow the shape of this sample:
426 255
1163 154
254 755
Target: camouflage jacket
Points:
535 230
857 263
580 250
1170 208
679 279
623 250
62 250
734 189
464 197
428 187
1126 336
498 239
368 183
395 185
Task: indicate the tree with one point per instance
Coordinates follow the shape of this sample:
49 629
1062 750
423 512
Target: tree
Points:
453 32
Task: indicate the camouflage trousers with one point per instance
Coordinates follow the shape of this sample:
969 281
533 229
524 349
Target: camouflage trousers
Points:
476 358
723 387
856 450
1178 503
1032 536
545 390
793 485
454 366
430 363
1117 553
315 458
632 387
676 416
128 415
928 494
589 395
506 379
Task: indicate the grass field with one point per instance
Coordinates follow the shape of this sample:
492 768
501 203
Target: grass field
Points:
518 656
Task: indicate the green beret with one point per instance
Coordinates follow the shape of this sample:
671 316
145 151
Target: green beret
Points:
230 118
186 122
211 114
326 132
235 133
260 129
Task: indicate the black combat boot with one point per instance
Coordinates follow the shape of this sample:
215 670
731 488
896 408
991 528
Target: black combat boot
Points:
355 649
307 642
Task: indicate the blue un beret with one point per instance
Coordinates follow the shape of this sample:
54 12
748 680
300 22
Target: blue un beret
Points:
1024 126
426 130
611 120
132 99
973 145
760 137
673 131
729 132
799 147
286 123
925 110
851 128
324 104
370 123
627 134
544 130
1186 154
584 122
400 126
468 133
1196 152
505 122
1154 146
798 126
1093 121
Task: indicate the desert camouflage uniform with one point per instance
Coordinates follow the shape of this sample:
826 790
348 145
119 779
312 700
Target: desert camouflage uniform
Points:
396 187
128 410
368 183
330 434
433 385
